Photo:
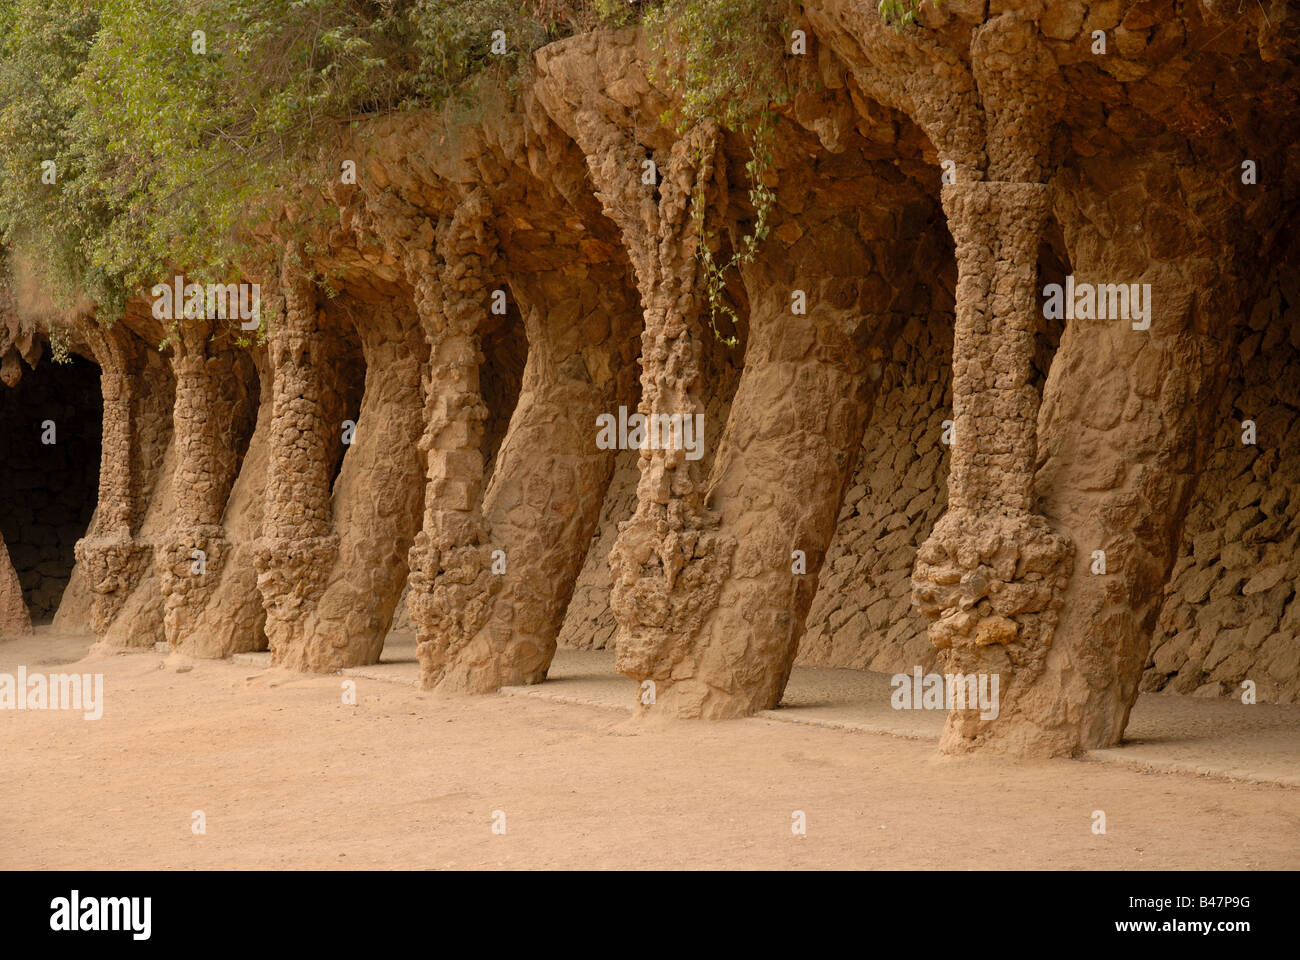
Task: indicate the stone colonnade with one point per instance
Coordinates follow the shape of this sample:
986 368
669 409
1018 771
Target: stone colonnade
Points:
714 571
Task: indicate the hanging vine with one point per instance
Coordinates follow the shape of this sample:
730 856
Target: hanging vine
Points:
727 62
762 198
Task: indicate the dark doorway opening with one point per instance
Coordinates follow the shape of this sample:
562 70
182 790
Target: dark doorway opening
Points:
50 423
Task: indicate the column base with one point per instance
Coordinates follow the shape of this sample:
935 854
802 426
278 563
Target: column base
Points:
291 576
113 565
994 586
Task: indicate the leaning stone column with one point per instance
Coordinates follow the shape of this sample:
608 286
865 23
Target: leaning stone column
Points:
297 548
112 558
492 568
670 560
376 499
193 553
543 503
786 457
450 587
1129 417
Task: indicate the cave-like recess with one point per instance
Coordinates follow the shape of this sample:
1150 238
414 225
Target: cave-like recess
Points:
48 491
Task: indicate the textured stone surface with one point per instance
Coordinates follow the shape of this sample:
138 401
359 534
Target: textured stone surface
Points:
450 589
331 555
669 560
136 460
992 572
232 619
589 621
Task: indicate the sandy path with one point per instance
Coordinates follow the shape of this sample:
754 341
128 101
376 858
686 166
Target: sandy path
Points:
288 776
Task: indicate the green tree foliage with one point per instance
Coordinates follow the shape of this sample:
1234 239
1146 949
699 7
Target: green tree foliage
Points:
42 46
727 61
724 58
175 128
175 125
898 13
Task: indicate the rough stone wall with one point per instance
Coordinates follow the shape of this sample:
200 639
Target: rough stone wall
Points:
588 622
47 491
862 614
1230 611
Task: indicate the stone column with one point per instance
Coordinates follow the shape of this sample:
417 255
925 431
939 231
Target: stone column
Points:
787 456
450 594
297 548
112 558
549 480
670 559
494 565
376 498
993 572
191 557
232 618
1129 417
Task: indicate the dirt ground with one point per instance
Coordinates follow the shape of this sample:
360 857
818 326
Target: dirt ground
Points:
287 775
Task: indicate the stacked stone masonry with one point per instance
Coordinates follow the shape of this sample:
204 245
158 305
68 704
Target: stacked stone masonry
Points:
1230 612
